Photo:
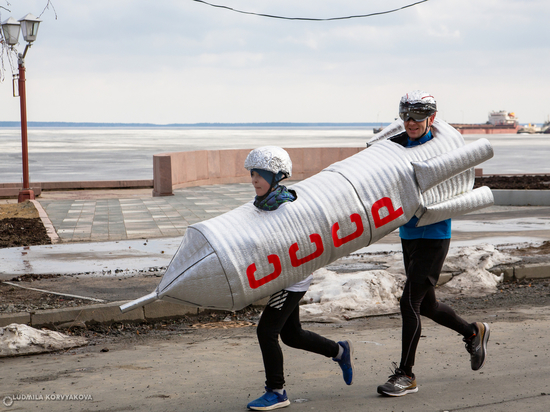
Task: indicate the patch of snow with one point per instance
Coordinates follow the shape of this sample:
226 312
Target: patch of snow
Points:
18 339
333 296
348 294
473 264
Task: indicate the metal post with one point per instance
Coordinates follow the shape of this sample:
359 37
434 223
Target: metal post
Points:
26 193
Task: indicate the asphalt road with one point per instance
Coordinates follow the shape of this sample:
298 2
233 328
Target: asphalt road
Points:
220 369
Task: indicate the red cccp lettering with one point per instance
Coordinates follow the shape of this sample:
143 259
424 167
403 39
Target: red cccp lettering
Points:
392 214
295 261
355 218
256 283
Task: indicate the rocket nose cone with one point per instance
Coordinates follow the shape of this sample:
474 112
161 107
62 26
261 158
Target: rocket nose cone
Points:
195 275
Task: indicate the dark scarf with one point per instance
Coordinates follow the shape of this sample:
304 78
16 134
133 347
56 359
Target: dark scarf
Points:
274 199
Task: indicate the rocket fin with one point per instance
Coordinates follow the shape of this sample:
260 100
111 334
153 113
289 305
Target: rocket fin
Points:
458 205
431 172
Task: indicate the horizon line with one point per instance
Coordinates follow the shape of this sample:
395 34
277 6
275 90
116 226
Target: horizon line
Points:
200 124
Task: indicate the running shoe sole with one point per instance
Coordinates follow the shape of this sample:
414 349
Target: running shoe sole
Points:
484 342
404 392
270 408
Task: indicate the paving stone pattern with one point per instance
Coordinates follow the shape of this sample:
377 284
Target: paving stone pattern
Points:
148 217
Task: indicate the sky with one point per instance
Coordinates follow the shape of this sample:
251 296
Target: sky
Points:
181 61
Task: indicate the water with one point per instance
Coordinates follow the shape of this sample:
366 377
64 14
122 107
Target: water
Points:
81 154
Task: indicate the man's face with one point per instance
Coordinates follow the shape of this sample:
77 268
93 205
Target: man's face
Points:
417 129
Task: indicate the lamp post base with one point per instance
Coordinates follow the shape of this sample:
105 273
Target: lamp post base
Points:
25 194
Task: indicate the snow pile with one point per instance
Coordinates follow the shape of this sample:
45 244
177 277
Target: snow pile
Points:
474 263
354 293
333 296
18 339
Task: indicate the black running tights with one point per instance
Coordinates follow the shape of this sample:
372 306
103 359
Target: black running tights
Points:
281 317
419 299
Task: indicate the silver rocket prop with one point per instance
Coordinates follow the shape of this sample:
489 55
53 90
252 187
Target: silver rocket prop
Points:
237 258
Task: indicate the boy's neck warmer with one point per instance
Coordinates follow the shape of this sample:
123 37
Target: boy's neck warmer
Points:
274 199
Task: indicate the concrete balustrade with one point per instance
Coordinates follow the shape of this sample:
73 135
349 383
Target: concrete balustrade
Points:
11 190
207 167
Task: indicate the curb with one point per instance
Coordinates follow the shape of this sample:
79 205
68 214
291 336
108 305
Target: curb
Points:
511 273
106 313
50 230
529 271
505 197
98 313
110 312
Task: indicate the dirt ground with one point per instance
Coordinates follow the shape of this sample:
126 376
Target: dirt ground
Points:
519 182
508 302
20 225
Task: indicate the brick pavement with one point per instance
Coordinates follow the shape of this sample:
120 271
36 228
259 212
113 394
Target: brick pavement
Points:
141 216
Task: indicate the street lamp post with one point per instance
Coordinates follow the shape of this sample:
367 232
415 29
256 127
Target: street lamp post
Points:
11 28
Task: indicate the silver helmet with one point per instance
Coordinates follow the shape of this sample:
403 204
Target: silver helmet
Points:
417 105
274 159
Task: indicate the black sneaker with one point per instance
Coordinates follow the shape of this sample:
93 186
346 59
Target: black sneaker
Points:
477 345
398 384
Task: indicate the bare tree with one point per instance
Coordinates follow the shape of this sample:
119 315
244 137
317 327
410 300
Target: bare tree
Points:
8 54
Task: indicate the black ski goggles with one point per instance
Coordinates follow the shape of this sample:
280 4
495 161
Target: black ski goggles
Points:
415 114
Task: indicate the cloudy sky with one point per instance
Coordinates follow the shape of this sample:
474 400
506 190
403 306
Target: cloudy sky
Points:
180 61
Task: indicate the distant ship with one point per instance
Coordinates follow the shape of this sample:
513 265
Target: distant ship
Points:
532 129
529 129
499 122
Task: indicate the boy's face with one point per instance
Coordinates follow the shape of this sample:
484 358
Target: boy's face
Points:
260 184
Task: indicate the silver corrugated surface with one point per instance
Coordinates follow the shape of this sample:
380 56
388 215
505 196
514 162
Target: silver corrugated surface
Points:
233 260
195 275
248 235
431 172
457 206
391 130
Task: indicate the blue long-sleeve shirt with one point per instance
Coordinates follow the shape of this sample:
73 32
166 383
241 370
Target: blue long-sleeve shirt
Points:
439 230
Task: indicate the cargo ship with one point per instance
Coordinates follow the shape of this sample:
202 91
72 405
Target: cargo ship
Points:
499 122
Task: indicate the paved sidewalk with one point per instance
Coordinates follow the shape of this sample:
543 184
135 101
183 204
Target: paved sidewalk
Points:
124 214
136 214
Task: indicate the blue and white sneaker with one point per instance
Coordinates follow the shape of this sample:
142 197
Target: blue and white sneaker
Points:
346 361
269 400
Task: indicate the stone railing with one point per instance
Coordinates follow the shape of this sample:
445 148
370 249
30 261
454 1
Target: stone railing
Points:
11 190
206 167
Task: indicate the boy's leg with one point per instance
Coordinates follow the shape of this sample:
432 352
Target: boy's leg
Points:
280 307
294 336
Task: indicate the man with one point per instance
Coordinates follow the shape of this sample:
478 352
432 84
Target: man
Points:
424 251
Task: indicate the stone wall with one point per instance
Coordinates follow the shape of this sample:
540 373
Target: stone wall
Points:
206 167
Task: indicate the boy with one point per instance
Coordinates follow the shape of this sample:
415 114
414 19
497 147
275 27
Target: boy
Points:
269 165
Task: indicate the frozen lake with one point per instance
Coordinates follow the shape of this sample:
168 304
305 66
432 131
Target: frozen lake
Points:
101 153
